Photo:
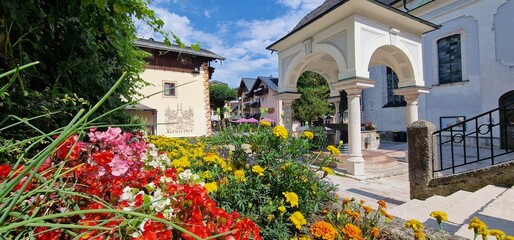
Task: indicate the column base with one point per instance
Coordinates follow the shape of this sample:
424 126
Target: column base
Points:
355 165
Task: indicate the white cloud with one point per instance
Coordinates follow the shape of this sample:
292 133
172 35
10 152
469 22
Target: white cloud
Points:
243 43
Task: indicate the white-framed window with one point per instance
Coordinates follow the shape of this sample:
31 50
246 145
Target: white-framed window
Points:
170 89
449 59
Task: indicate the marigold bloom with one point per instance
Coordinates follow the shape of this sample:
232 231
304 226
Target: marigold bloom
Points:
375 232
258 169
282 209
307 134
265 124
281 132
419 235
211 187
239 175
414 224
297 219
323 230
478 226
333 150
382 203
327 170
498 234
439 216
351 231
291 198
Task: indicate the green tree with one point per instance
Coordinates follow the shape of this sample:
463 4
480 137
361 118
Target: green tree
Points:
313 103
83 47
219 94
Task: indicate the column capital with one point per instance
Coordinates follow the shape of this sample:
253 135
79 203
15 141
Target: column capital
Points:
411 92
355 83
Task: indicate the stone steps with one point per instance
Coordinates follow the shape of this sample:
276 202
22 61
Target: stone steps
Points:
492 204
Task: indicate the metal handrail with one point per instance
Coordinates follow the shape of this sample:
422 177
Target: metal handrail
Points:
461 135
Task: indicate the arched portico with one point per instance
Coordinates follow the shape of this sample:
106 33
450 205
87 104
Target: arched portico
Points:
340 41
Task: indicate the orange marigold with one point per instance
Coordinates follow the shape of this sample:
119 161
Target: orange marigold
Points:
323 230
352 231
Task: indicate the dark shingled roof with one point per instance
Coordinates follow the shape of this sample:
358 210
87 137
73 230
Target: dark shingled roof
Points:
175 48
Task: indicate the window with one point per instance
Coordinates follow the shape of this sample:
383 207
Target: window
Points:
392 83
170 89
449 59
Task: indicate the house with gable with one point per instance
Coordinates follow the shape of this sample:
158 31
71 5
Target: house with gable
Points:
177 102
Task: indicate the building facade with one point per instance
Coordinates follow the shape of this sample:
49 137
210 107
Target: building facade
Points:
178 93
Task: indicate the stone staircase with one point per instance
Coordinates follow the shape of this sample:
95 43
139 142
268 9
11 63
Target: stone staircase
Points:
492 204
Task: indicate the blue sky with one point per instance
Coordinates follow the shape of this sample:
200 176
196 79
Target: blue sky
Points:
239 30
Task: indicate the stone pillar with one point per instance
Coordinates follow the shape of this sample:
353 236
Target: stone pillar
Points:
285 109
353 87
420 155
411 95
355 162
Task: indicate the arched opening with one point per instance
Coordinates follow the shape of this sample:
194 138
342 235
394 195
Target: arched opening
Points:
506 103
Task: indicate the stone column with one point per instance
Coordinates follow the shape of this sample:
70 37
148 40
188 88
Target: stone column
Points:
353 87
411 95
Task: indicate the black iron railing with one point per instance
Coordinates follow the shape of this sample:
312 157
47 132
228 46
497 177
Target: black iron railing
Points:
481 141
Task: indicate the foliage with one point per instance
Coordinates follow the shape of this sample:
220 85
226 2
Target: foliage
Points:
83 47
313 102
219 94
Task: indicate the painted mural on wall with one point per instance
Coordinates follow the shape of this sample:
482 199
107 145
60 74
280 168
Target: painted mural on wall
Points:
179 120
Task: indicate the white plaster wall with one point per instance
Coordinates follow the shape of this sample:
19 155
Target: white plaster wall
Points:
190 95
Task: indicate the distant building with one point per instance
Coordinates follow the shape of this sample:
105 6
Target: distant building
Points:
178 102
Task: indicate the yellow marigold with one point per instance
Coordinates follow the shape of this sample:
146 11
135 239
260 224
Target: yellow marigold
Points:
207 174
211 187
333 150
281 132
367 209
477 225
419 235
239 175
375 232
181 163
498 234
265 124
414 224
297 219
327 170
307 134
439 216
351 231
382 203
323 230
291 198
258 169
282 209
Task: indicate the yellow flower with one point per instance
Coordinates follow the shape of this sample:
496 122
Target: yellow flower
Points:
352 231
375 232
498 234
323 230
327 170
211 187
333 150
439 216
478 226
239 175
258 169
414 224
282 209
307 134
419 235
291 198
297 219
280 131
265 124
